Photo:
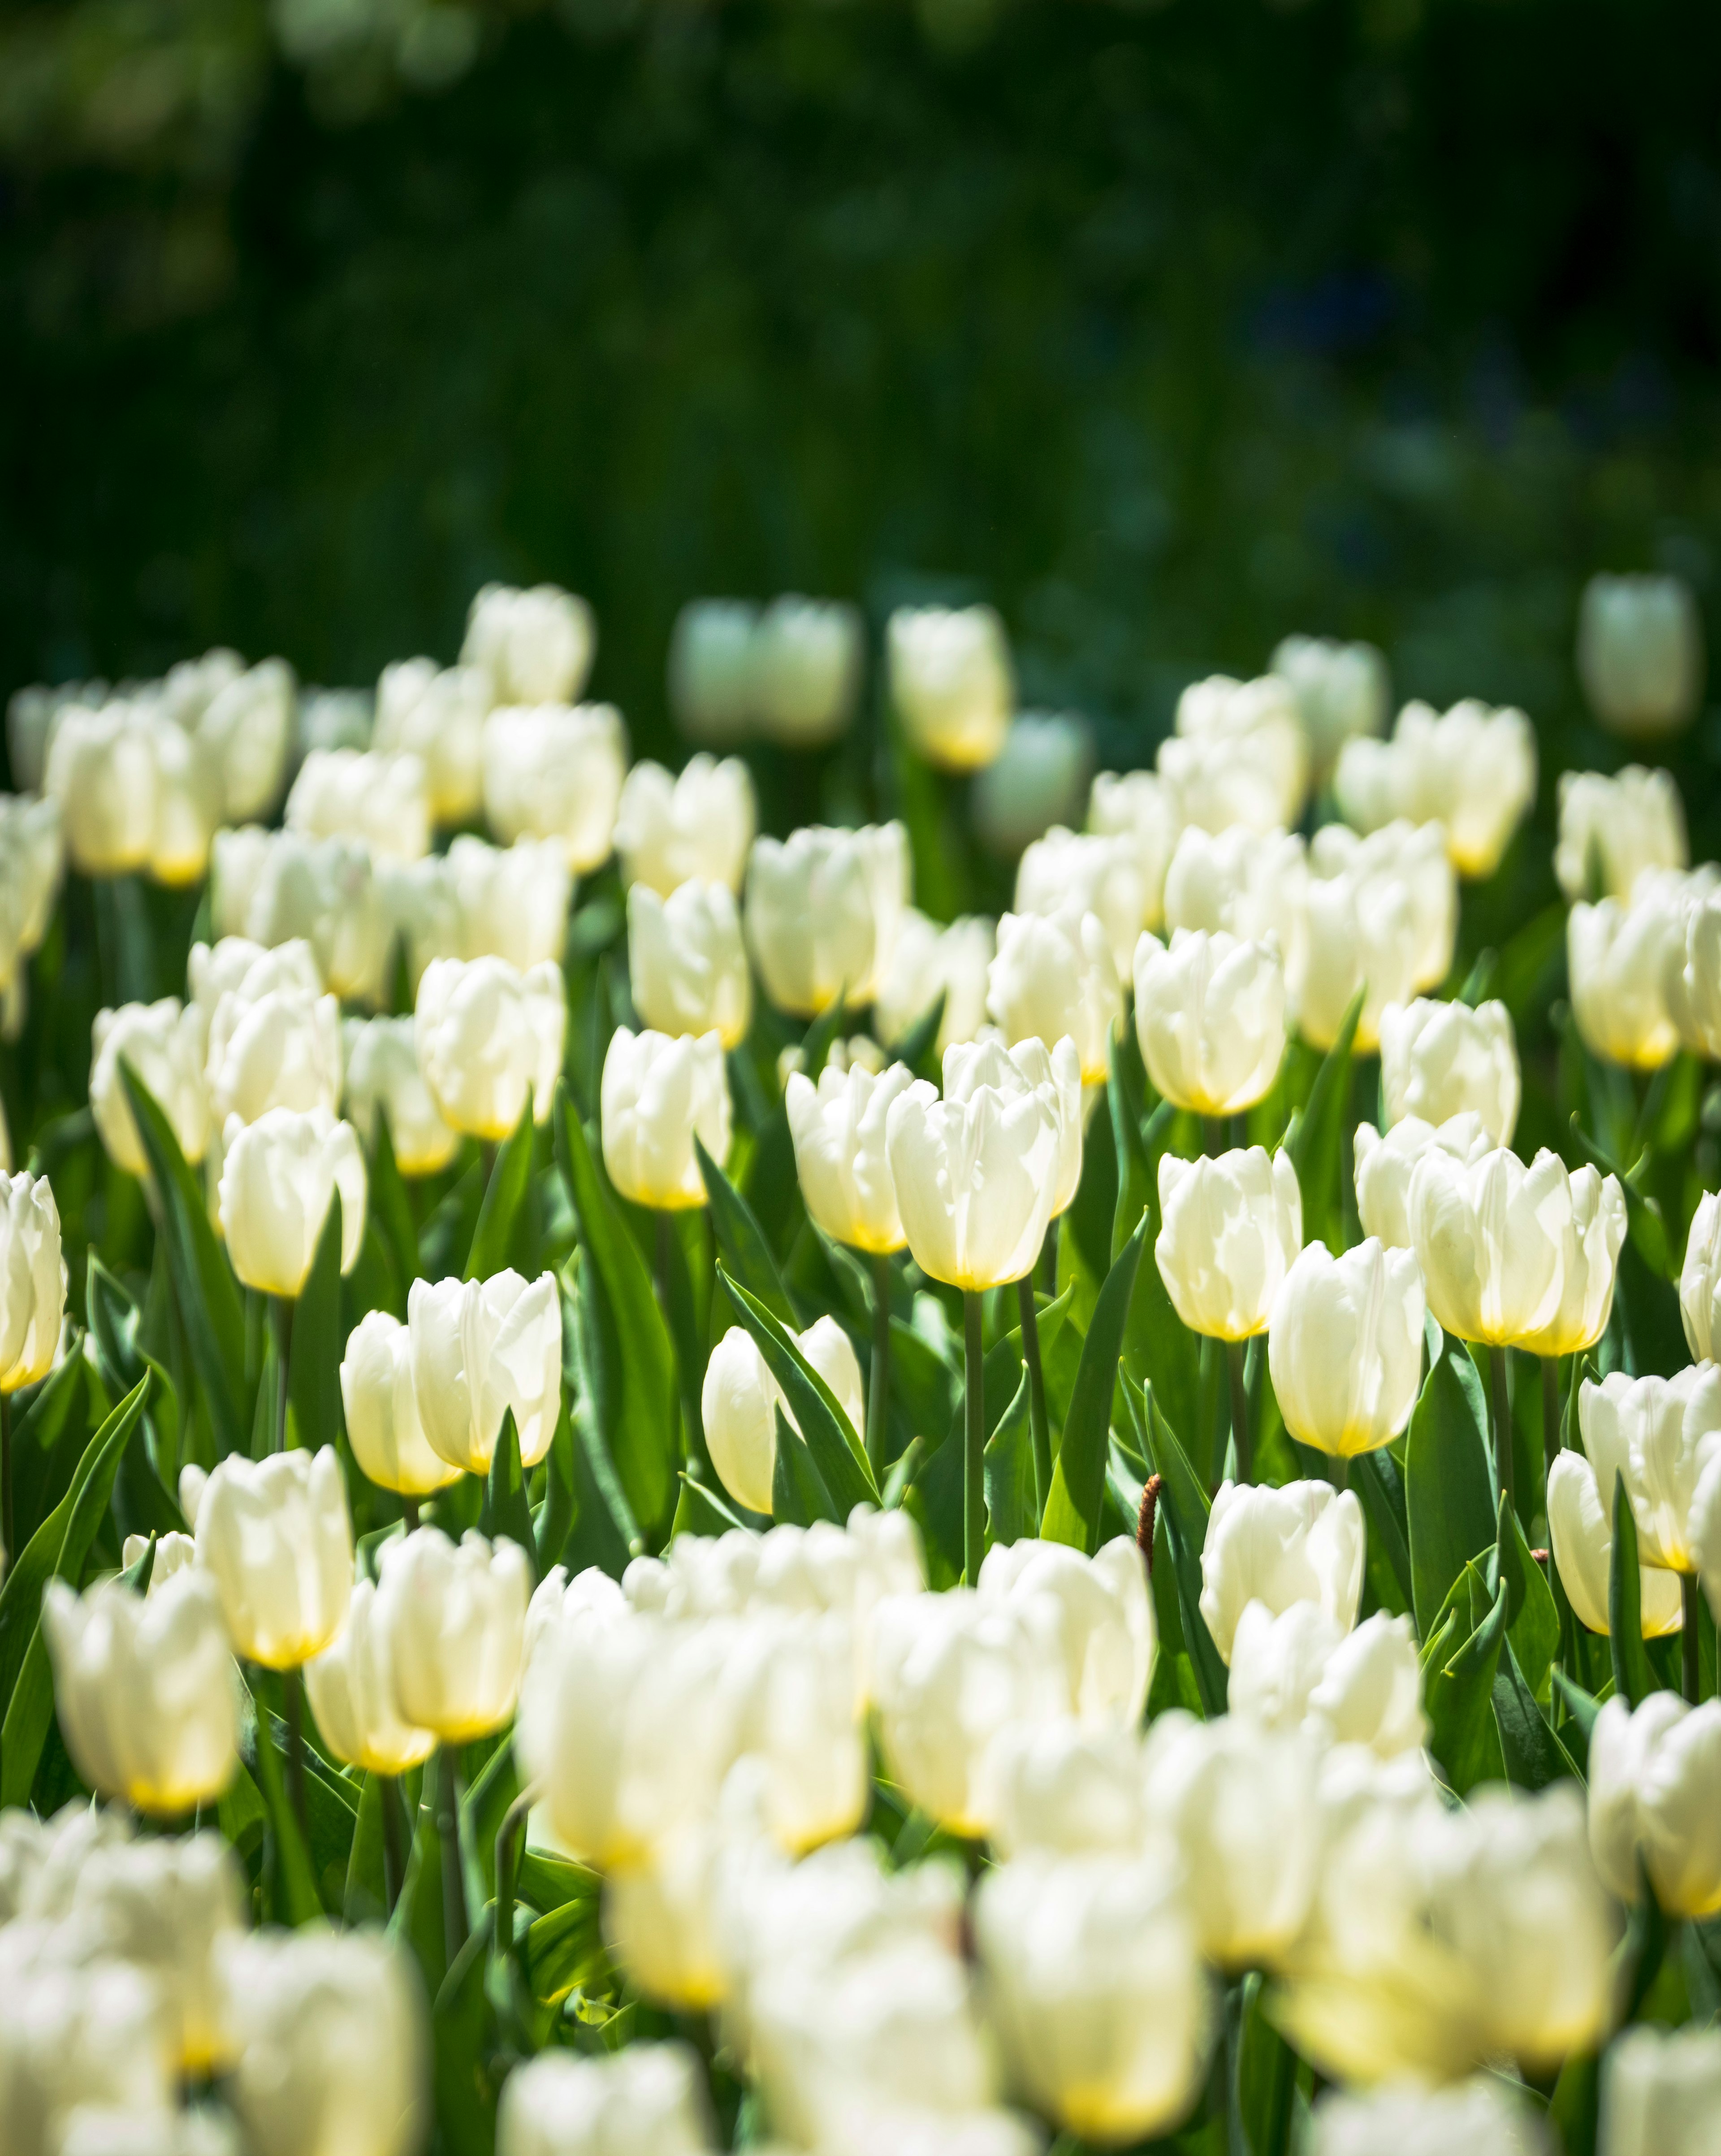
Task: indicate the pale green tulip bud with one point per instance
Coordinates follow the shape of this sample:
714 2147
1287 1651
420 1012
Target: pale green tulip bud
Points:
1054 978
1659 1434
657 1092
1037 779
1385 1167
648 2100
1341 691
1471 769
1104 1615
383 1424
1641 654
951 682
277 1180
669 831
1210 1017
1653 1773
1660 2090
146 1691
841 1158
1482 2117
350 1688
687 965
382 801
712 679
1231 1230
823 909
274 1537
1300 1671
436 713
101 768
382 1060
33 1281
1491 1240
805 662
1302 1541
555 771
1580 1534
1344 1347
490 1039
453 1617
976 1179
741 1400
478 1348
1442 1060
164 1043
535 646
1138 805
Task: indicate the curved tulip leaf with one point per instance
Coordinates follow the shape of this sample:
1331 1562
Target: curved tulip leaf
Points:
1449 1495
832 1441
1316 1144
1183 1508
1534 1754
48 1441
746 1255
1459 1668
1159 1348
318 1343
1532 1620
1074 1509
920 1041
1009 1469
1375 1478
507 1510
1633 1679
293 1887
702 1511
606 1530
1126 1090
798 1495
511 1176
463 2034
555 1515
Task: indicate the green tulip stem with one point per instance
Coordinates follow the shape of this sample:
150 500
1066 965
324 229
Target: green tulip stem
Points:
1235 1351
283 1305
447 1829
1690 1635
409 1515
1551 1409
509 1837
1038 1425
6 1520
973 1464
666 1229
878 1380
394 1853
1503 1425
293 1714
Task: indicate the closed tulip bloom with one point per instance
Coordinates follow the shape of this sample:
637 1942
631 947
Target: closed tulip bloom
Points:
273 1048
1442 1059
1386 1165
1620 958
479 1348
1230 1231
76 2038
1070 1790
1210 1016
1247 883
806 665
383 1424
1037 779
1700 1280
1344 1347
535 646
509 901
32 859
659 1920
671 829
33 1281
454 1616
1641 654
1660 2090
1260 724
1341 691
1580 1534
146 1691
1301 1543
350 1688
687 965
1139 806
976 1179
555 771
1220 787
1414 854
1491 1240
951 682
1597 1236
436 713
822 912
657 1093
1028 1067
274 1537
245 729
354 793
490 1039
838 1127
1472 768
1359 932
1104 1620
1653 1773
273 887
1299 1671
1611 829
741 1399
1054 978
1659 1432
1093 1980
1693 983
1080 871
101 769
645 2101
927 961
173 1553
187 805
382 1073
163 1044
332 2051
1480 2117
277 1181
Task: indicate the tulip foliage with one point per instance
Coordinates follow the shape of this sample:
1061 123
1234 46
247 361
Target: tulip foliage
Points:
653 1500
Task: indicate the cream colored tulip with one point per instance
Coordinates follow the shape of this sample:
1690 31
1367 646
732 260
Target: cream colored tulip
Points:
1652 1777
1593 1242
1386 1165
687 965
1414 855
1231 1230
1491 1240
1611 829
478 1349
350 1688
383 1424
1472 768
1359 930
656 1093
1301 1543
1300 1671
1344 1347
173 1553
648 2100
1137 805
245 729
1620 959
509 901
712 677
1248 883
534 646
381 1058
1693 982
1641 654
670 829
555 771
1210 1017
823 909
274 1537
32 861
929 961
101 768
1027 1066
453 1617
163 1045
1070 1791
1219 790
273 887
1104 1620
272 1045
1660 2090
805 664
1659 1434
1037 779
187 805
436 713
1700 1280
490 1039
1341 691
381 800
1480 2117
1054 978
741 1399
33 1282
1259 725
951 682
1442 1060
1580 1534
841 1156
278 1179
1080 871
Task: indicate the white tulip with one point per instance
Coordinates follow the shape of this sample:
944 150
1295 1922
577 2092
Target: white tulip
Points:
32 859
101 768
274 1537
1700 1280
383 1424
1611 829
687 965
976 1179
1492 1240
1580 1534
1300 1670
1038 779
383 801
1652 1774
1301 1543
1472 768
1220 789
1622 959
272 1047
1641 654
1593 1244
822 911
1386 1165
436 713
350 1688
147 1694
509 901
798 1725
1210 1017
1072 1791
646 2101
277 1182
162 1043
555 771
1442 1060
656 1093
1248 883
659 1919
1231 1230
74 2038
1103 1620
1341 691
535 646
1659 1432
951 682
928 961
173 1553
452 1620
274 887
381 1058
1080 871
1259 725
476 1349
1358 930
1693 981
741 1399
1344 1347
1660 2090
1479 2117
187 805
490 1039
245 729
33 1281
1054 978
702 824
1413 854
838 1128
805 662
1028 1067
1137 805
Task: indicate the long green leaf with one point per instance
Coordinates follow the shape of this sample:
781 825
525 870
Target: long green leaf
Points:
507 1510
1460 1666
1076 1500
1449 1496
1633 1679
506 1188
746 1255
391 1210
1159 1348
1184 1508
1380 1486
313 1358
832 1438
798 1495
1317 1147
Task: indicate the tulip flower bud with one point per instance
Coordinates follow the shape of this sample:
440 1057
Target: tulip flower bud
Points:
1641 654
1659 1434
32 859
274 886
509 901
1491 1240
1028 1067
274 1537
1700 1280
659 1920
382 1420
1218 790
1072 1792
1341 691
1652 1778
173 1553
1210 1017
101 768
1037 779
1230 1231
1594 1241
1104 1620
929 961
384 801
1611 829
1473 769
1094 1983
1580 1533
798 1728
1661 2089
146 1691
822 911
1479 2117
1258 727
1358 932
657 1093
1079 872
1442 1060
1137 805
713 677
479 1348
645 2101
976 1179
1693 980
33 1282
555 771
669 831
1623 962
75 2039
244 730
277 1181
741 1399
453 1616
1385 1167
188 805
1240 1801
535 646
351 1687
838 1128
273 1048
382 1060
337 2018
1344 1347
1414 856
1298 1671
951 682
805 667
1301 1543
436 713
490 1039
1247 883
1053 979
163 1044
687 966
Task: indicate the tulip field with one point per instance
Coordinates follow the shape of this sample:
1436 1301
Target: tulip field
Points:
656 1501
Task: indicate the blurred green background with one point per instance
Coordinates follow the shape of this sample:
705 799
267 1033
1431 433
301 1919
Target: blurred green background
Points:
1169 329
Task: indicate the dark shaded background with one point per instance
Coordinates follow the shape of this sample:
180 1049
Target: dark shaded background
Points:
1170 331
